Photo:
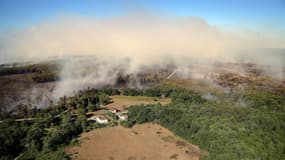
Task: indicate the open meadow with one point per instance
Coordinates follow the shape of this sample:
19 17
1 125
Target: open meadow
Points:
121 102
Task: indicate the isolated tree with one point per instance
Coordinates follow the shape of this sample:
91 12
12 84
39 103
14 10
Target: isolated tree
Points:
52 141
35 137
104 99
81 118
91 107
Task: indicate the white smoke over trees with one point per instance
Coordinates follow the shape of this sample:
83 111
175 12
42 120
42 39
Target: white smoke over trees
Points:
126 43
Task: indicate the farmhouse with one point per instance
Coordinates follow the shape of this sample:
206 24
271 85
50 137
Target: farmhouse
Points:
123 116
114 110
92 118
101 119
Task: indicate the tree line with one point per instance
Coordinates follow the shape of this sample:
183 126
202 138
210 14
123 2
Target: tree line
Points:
44 72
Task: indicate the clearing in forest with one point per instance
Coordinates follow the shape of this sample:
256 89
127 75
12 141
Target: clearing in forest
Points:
122 102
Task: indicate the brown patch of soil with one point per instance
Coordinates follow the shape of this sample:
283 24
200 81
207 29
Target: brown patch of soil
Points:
142 142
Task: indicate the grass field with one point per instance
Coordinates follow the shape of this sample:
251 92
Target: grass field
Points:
141 142
121 102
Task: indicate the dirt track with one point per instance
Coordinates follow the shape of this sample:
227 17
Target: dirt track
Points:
142 142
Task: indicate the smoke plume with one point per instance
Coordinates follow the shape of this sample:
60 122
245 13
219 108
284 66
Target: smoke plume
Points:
128 42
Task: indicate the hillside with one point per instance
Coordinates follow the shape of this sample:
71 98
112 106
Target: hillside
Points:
228 114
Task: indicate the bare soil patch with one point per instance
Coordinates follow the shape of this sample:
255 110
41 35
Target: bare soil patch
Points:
141 142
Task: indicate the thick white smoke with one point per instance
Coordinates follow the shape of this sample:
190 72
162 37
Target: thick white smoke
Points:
83 72
126 43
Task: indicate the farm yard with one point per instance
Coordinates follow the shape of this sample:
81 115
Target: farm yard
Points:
141 142
120 104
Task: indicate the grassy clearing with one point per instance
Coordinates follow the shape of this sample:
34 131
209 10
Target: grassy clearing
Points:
141 99
120 102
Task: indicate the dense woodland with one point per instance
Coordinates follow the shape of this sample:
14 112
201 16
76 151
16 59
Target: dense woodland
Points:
51 128
224 128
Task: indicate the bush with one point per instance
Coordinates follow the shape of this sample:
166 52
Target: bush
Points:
127 124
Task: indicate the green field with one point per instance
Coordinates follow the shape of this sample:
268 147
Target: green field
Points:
120 102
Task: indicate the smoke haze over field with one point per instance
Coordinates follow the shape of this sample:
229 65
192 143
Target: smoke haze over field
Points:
126 43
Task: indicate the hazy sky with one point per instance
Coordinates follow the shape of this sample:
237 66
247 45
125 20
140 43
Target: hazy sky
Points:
139 28
258 15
